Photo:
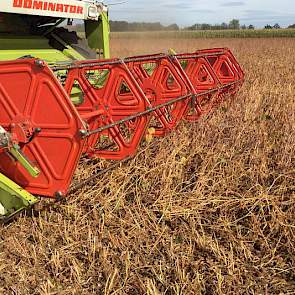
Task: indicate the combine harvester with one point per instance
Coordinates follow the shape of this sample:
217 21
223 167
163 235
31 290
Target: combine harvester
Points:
62 98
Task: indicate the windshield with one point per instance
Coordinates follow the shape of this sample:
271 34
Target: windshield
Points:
26 25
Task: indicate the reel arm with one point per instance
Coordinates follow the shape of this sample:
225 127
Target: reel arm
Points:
13 198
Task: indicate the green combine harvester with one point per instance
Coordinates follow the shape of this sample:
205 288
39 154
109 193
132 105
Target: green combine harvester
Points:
36 29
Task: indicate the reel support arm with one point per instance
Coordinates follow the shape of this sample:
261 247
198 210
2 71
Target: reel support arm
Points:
13 198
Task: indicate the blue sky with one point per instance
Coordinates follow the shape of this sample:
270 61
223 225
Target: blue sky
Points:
185 12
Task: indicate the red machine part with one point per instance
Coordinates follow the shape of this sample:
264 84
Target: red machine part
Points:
119 100
202 81
227 70
129 87
135 84
32 99
210 69
161 82
109 95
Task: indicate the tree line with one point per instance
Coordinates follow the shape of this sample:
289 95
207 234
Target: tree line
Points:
277 26
124 26
232 25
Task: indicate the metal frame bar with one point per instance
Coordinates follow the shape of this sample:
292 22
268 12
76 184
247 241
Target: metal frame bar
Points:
13 198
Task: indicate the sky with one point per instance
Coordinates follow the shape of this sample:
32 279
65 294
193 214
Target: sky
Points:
186 12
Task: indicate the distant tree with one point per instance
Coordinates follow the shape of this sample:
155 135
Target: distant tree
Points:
251 27
277 26
198 26
205 27
191 28
224 26
119 26
173 27
234 24
291 26
268 27
123 26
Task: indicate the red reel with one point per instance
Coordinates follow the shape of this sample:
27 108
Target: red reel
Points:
109 94
161 82
31 98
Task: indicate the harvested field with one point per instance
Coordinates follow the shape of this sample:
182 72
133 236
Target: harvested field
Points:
207 210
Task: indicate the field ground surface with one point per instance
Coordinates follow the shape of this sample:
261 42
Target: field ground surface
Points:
207 210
